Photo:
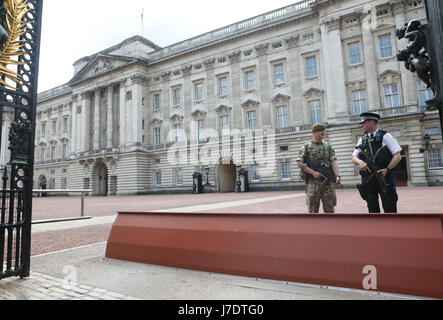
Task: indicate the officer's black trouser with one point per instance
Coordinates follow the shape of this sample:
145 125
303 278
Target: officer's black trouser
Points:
389 199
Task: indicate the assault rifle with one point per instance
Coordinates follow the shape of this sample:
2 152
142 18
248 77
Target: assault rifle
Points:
374 172
322 169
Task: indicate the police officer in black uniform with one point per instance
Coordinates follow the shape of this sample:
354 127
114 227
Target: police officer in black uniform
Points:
384 149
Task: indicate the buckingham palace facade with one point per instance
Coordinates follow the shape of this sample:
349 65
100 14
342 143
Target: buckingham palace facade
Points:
137 118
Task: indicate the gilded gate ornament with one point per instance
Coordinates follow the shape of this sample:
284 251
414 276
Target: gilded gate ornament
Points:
12 28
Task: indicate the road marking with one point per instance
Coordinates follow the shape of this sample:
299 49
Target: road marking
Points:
220 205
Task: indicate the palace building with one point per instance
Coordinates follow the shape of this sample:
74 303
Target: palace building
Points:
137 118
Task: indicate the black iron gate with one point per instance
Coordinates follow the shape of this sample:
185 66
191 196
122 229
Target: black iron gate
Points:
19 60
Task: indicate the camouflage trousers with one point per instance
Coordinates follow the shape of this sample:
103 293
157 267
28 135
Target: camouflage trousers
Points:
320 190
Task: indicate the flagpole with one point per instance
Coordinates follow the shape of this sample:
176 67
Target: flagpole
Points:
142 21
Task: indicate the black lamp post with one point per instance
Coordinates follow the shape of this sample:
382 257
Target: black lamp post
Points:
238 178
426 142
207 176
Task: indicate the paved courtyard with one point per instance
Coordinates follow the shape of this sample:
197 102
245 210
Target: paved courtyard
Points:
58 248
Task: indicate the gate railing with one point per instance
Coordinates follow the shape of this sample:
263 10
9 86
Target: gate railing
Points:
20 50
12 223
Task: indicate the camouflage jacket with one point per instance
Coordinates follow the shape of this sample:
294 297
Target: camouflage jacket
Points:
321 152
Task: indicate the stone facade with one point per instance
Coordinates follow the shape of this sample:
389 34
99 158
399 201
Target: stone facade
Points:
137 118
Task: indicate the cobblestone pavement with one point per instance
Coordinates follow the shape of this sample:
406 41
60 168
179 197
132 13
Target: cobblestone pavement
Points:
46 287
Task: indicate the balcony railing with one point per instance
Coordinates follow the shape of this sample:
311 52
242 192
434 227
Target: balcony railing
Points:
242 26
397 111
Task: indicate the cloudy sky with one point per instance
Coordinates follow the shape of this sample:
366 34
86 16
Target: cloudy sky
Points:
75 29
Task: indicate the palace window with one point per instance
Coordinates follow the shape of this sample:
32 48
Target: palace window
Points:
315 111
308 37
282 117
43 129
65 124
382 12
351 21
285 170
177 132
53 153
156 101
224 125
157 138
435 160
43 154
176 96
424 93
255 172
200 129
276 45
249 80
198 91
392 98
354 53
65 151
64 183
158 178
415 4
311 66
279 74
432 131
252 120
385 43
359 101
223 86
54 127
179 177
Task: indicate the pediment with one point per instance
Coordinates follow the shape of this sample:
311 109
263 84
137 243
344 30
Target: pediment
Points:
176 117
223 108
389 76
156 121
198 114
280 97
100 64
249 103
313 92
389 72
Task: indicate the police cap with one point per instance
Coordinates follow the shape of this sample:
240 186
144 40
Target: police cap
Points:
318 127
369 116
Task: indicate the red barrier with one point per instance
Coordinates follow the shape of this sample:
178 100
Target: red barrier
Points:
401 253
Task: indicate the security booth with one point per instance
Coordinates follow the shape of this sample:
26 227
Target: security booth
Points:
197 183
242 181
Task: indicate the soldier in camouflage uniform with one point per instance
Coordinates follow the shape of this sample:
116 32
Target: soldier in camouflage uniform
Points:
319 188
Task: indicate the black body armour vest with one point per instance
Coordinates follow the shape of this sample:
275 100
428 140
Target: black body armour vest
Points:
381 154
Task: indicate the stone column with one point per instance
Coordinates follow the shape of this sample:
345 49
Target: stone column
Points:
264 87
86 122
337 105
110 118
235 91
409 85
122 113
74 125
137 110
370 59
97 96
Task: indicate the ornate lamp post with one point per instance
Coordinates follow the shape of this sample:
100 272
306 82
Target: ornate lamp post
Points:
426 142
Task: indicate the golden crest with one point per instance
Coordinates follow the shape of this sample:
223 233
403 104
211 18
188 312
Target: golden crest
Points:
12 27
